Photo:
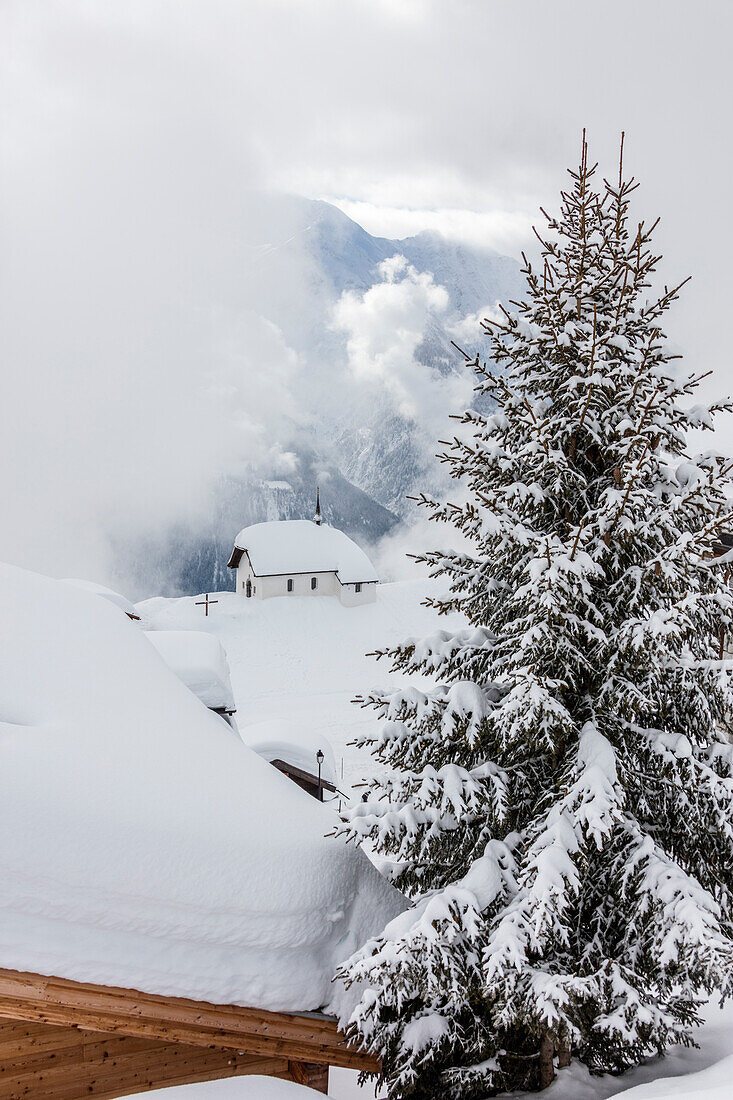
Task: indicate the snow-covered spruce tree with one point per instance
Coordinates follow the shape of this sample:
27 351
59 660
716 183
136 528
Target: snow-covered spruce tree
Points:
560 804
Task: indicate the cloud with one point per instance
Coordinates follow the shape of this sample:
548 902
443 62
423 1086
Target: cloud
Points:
384 327
135 371
468 333
504 231
394 554
139 361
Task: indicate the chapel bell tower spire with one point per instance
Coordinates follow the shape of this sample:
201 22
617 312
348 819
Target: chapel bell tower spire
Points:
317 516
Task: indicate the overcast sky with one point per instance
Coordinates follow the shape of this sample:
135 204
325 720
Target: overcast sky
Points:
130 130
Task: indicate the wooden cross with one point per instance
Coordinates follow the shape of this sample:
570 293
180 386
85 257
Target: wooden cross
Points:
205 603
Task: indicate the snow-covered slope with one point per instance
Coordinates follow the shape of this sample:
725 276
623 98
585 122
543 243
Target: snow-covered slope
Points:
104 593
702 1073
713 1083
141 844
301 661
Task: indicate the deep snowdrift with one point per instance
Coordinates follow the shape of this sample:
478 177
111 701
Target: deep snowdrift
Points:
199 660
141 844
300 662
714 1083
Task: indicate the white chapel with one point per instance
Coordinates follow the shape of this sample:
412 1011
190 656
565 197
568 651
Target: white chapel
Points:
300 557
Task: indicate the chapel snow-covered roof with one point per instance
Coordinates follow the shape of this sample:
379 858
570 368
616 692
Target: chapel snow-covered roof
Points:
280 547
143 846
199 660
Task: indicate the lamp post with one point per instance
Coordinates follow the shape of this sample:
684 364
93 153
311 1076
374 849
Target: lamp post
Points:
320 758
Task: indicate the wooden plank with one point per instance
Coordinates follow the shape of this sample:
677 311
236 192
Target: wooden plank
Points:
98 1048
34 1060
46 1062
21 1029
299 773
111 1090
135 1062
135 1071
48 1039
268 1068
59 1001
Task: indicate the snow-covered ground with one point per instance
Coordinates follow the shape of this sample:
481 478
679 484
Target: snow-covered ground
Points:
684 1074
237 1088
301 661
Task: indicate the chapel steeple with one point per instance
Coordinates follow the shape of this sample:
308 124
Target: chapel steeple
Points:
317 516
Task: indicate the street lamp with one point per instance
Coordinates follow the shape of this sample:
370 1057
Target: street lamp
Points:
320 758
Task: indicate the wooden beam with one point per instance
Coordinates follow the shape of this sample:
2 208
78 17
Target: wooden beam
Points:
309 1038
306 1073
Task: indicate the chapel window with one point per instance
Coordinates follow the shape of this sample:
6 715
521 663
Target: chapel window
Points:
314 583
290 584
357 587
249 588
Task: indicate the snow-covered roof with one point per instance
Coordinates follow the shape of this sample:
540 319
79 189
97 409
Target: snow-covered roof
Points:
106 593
143 846
289 741
301 546
199 660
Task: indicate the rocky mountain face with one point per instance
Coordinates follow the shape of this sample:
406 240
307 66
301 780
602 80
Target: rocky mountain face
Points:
358 435
380 449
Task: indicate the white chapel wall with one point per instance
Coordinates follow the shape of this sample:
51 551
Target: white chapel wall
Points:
351 598
265 587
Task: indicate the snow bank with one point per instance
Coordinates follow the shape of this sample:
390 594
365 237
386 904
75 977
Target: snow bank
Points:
141 845
199 660
685 1073
106 593
300 546
713 1083
237 1088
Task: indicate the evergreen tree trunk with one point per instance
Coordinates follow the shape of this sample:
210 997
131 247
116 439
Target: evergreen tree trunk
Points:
547 1065
559 803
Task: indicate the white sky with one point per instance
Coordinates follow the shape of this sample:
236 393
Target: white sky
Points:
129 132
